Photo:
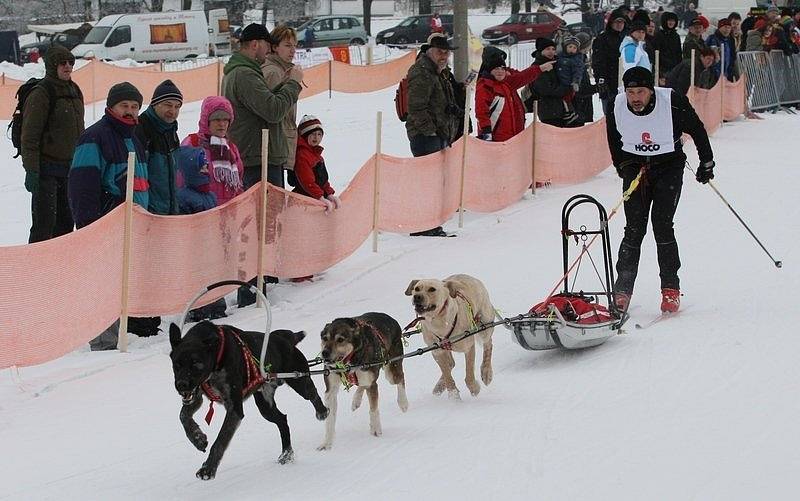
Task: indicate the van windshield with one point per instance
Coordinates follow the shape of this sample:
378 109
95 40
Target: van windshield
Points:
97 35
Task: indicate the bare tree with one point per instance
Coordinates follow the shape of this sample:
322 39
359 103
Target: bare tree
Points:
514 6
367 4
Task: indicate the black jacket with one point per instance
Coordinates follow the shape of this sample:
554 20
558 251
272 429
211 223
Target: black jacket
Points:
668 44
684 120
550 92
605 54
679 79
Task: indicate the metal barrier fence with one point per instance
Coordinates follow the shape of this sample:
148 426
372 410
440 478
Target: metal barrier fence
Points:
773 79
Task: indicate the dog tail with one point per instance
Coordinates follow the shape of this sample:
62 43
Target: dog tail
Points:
292 337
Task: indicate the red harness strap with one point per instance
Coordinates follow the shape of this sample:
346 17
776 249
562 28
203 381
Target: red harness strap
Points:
254 378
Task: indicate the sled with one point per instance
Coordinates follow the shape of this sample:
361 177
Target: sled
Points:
574 320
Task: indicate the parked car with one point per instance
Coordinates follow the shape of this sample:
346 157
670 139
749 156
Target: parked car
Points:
414 29
68 39
323 31
522 27
155 36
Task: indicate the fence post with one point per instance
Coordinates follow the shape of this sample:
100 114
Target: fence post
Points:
262 226
533 150
122 341
93 62
621 71
656 68
376 193
722 80
219 76
464 138
370 55
330 78
691 77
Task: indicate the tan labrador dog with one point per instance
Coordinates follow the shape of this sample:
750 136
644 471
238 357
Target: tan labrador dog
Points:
446 309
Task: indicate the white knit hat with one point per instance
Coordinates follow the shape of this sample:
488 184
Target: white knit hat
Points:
308 124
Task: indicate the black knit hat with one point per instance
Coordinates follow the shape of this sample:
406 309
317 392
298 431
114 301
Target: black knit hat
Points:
637 26
492 58
543 43
166 90
255 31
124 91
637 77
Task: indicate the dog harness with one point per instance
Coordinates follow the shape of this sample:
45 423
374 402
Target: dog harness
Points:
349 378
254 378
475 320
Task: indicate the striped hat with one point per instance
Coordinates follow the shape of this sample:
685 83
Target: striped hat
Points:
166 90
308 124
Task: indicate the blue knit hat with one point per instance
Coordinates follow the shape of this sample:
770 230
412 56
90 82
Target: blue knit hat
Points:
166 90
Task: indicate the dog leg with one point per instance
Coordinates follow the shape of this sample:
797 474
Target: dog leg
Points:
357 397
306 389
374 412
229 426
395 376
193 431
265 401
469 379
486 364
446 382
331 391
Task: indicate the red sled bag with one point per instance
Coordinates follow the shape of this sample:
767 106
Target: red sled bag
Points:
575 309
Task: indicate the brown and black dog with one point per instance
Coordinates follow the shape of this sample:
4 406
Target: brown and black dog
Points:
371 337
448 308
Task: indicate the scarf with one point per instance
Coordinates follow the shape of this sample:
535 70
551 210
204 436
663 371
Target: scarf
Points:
222 163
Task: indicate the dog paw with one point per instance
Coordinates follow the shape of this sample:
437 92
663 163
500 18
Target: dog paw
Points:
286 457
474 388
325 447
439 388
375 431
403 404
357 398
453 394
486 375
199 440
206 473
323 414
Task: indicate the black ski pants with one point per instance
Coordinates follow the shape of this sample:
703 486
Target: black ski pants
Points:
658 194
50 211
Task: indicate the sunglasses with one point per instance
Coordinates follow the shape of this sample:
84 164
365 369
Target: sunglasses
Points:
68 62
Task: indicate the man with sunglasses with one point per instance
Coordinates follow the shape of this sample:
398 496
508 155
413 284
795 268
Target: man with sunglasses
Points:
53 121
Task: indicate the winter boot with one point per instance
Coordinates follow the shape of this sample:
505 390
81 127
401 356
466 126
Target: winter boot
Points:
670 300
622 300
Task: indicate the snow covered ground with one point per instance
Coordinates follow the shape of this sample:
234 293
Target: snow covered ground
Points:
702 406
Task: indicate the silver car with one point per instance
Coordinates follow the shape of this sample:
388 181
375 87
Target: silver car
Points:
323 31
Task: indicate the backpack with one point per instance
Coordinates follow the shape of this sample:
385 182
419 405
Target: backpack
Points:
401 100
22 95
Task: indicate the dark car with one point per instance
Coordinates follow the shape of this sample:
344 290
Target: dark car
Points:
524 26
414 29
68 39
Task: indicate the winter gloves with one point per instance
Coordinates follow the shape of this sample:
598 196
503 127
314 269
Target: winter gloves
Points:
485 134
602 88
331 202
705 172
31 181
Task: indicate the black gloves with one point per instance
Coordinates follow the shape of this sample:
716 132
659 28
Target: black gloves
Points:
602 88
705 172
485 134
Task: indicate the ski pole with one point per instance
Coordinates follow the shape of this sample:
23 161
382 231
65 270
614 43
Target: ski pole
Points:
778 264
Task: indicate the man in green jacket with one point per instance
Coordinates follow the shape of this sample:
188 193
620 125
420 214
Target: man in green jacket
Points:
434 117
53 122
256 107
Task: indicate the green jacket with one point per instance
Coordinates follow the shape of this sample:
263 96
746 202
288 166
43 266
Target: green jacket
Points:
432 109
255 107
51 140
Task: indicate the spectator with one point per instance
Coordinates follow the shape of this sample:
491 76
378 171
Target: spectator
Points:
632 48
657 15
650 41
97 176
498 107
694 39
759 37
276 73
736 29
668 44
722 42
605 57
582 101
434 116
436 23
748 24
553 109
794 34
689 16
679 79
49 133
256 107
158 132
780 35
571 64
225 164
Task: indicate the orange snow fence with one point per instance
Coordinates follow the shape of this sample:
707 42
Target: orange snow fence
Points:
59 294
96 77
713 105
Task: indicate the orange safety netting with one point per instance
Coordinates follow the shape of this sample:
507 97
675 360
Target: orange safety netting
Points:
59 294
96 77
713 105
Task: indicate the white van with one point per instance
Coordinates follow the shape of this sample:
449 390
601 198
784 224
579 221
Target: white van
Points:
219 32
165 36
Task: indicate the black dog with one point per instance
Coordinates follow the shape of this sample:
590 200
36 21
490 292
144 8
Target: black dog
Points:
219 360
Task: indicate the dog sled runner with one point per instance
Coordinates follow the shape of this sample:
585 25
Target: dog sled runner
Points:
574 319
